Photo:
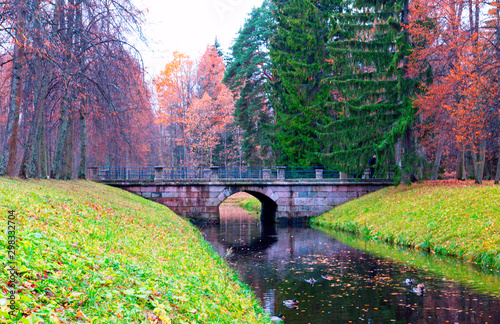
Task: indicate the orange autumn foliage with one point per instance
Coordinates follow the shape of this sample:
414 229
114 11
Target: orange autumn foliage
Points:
459 106
195 107
174 87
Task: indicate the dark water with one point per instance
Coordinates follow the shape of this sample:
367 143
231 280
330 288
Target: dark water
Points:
352 286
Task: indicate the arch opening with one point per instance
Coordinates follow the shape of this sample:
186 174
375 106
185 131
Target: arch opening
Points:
247 238
268 206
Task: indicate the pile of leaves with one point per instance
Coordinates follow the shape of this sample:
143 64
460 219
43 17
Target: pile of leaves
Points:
453 218
88 253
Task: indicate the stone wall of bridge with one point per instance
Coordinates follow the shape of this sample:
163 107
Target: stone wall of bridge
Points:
280 200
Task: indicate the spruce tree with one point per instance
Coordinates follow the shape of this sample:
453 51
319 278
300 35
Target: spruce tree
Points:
248 75
299 94
373 113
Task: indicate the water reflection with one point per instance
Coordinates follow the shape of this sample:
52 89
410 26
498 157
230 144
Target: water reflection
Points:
353 286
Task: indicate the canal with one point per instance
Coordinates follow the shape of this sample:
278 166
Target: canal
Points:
335 282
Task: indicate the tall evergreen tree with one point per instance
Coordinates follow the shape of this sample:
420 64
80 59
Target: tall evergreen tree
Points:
218 47
299 94
248 76
373 110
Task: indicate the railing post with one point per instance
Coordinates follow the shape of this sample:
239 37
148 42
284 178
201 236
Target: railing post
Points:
92 174
266 174
343 176
319 174
214 173
158 173
281 172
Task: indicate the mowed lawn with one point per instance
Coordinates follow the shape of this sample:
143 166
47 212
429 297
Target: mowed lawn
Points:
447 217
88 253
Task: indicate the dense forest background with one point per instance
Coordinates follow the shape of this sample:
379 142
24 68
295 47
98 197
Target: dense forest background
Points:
307 83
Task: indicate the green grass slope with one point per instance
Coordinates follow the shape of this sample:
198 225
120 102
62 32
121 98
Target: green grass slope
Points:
447 217
88 253
251 204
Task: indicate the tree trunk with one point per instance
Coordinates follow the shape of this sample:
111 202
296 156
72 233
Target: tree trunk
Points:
80 44
404 150
480 161
82 173
474 164
461 165
44 155
58 168
408 147
437 162
63 157
8 160
397 154
34 154
497 176
68 149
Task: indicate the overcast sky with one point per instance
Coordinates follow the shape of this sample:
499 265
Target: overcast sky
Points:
189 26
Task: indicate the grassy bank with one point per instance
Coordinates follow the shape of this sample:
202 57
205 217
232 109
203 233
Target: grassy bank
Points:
446 217
246 201
94 254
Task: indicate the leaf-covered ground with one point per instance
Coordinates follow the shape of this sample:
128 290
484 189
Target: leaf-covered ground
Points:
88 253
447 217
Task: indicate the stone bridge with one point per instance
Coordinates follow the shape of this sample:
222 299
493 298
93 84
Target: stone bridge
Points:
281 198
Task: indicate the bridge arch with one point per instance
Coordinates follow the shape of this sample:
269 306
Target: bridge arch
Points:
268 205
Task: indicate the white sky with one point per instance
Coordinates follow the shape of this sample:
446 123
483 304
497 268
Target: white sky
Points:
189 26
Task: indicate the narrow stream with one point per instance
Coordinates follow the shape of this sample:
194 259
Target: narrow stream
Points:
351 286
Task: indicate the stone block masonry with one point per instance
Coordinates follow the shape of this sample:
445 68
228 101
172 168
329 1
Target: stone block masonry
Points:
279 198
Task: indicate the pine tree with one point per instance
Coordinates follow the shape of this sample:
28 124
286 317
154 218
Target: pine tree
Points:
218 47
299 94
373 113
248 76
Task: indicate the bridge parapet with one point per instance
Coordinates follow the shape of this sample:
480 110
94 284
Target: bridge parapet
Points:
162 173
283 192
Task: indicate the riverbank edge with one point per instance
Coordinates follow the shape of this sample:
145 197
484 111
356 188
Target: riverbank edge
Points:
252 205
481 280
55 219
463 223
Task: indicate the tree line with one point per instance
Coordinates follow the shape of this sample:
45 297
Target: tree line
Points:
334 82
307 83
73 89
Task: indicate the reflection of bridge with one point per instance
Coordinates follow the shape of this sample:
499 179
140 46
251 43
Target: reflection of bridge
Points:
197 193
